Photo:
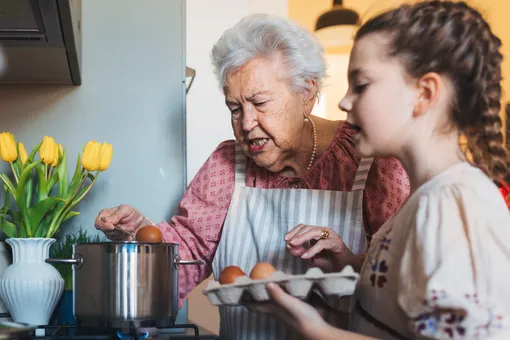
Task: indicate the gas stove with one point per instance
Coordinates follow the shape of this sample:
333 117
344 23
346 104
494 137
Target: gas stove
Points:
73 332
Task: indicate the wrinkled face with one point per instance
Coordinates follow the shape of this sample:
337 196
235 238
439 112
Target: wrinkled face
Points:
267 115
380 99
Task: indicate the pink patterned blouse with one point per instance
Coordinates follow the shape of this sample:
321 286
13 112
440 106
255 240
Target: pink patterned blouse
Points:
203 208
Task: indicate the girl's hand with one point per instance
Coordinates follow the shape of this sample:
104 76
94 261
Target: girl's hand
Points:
299 315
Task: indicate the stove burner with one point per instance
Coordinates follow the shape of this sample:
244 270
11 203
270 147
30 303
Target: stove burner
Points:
133 335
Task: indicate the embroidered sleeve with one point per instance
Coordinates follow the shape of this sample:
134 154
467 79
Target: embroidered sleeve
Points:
442 286
386 189
202 211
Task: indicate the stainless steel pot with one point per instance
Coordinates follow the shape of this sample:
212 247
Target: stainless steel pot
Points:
125 284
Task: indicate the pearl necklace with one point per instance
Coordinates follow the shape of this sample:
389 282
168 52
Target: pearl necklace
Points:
312 158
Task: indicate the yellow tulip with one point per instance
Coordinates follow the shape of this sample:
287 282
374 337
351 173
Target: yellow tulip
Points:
56 150
22 153
106 156
8 151
55 159
91 156
49 151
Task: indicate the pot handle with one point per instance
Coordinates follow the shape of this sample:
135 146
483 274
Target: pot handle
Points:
180 262
78 261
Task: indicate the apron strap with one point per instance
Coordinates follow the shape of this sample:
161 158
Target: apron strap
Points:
240 169
362 174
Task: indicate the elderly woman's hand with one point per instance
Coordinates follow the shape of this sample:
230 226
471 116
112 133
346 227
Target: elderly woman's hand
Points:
327 251
303 317
120 223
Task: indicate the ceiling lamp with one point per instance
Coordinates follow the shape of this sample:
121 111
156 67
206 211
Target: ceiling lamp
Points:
336 27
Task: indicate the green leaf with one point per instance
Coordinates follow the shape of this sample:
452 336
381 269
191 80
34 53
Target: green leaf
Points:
16 216
69 215
42 228
63 183
8 183
28 191
42 189
34 151
17 220
52 181
20 190
84 190
18 163
77 178
7 227
15 169
39 210
20 196
7 199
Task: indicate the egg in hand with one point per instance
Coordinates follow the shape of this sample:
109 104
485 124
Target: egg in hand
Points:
230 274
262 270
149 234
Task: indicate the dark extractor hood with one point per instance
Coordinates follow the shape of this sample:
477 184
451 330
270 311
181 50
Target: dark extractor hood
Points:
41 41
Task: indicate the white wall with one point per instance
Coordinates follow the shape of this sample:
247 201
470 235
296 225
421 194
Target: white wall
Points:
335 87
208 120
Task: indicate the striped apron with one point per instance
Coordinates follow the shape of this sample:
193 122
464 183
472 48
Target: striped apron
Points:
257 221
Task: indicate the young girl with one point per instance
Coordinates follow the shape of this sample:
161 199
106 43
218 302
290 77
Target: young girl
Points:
419 77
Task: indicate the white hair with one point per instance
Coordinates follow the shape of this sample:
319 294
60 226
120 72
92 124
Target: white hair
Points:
263 35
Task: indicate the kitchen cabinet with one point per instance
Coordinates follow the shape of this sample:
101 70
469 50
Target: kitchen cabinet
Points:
41 40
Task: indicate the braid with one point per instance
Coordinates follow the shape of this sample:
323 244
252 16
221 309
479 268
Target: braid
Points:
485 139
461 46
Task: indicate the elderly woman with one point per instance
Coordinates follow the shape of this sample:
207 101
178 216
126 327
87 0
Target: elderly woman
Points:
285 168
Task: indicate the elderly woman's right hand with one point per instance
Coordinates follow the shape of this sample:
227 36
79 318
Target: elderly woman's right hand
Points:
329 254
123 217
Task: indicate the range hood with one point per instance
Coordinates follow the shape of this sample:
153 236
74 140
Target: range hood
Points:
41 41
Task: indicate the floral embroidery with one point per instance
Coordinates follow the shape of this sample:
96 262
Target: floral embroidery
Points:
380 267
449 323
494 320
436 323
385 243
378 276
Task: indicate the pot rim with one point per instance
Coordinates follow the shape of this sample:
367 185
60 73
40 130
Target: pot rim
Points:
130 242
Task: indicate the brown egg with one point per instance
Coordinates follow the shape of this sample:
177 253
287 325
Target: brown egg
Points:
262 271
149 234
230 274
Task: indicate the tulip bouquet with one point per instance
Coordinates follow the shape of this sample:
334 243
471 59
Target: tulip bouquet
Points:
43 195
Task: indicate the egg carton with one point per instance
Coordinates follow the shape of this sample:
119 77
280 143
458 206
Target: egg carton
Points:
245 289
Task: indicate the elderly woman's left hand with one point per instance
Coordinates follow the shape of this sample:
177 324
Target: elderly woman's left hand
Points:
301 316
328 253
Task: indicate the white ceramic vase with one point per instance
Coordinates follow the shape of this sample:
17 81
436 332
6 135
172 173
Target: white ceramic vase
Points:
5 261
31 288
